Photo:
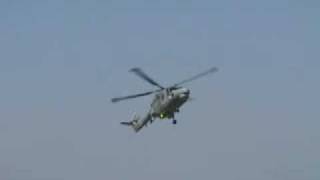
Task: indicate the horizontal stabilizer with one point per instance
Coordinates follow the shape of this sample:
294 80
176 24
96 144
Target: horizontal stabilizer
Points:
127 123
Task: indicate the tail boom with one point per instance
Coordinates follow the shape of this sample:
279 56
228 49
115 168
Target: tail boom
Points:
137 124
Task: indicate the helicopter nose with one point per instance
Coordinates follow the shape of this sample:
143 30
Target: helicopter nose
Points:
182 92
186 91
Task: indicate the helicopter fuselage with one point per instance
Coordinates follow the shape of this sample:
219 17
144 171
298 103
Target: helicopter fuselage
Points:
167 102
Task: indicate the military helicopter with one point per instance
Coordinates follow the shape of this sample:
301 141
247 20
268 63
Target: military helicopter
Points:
166 102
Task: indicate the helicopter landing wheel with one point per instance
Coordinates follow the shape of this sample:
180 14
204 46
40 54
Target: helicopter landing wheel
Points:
174 121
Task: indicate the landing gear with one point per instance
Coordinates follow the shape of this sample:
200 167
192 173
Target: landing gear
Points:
174 121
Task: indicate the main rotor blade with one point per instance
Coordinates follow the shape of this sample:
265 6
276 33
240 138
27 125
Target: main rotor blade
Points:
144 76
114 100
211 70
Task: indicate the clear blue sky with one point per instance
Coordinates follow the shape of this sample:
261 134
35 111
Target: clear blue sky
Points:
61 62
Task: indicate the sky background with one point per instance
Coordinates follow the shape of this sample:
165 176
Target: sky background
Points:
62 61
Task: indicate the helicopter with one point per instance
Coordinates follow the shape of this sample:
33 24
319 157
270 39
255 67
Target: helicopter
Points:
167 101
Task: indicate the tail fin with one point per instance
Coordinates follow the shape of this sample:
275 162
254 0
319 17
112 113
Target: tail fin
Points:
132 123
